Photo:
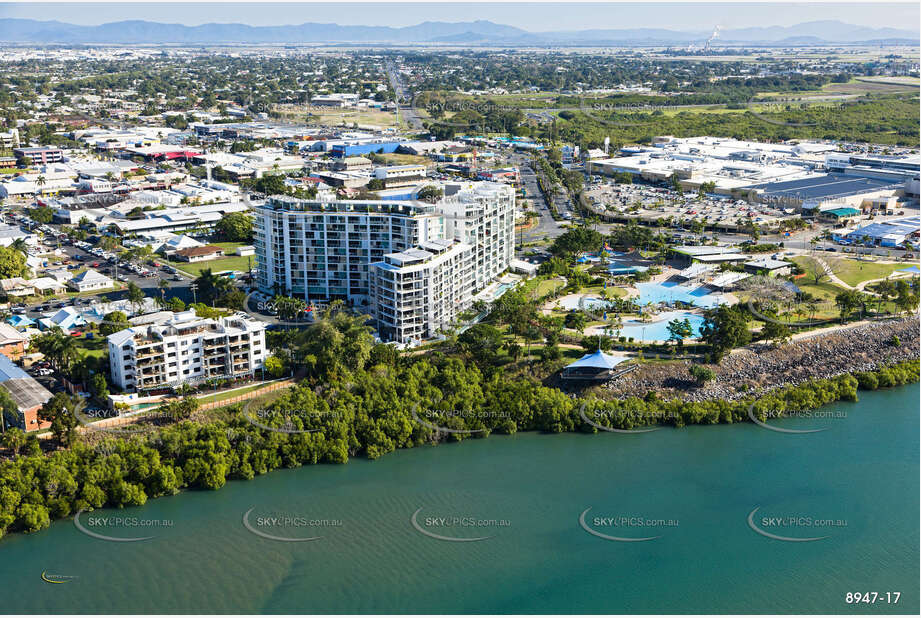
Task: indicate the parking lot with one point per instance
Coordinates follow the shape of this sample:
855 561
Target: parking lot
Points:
651 203
63 252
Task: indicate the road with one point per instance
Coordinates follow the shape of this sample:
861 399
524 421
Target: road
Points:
546 228
149 285
404 99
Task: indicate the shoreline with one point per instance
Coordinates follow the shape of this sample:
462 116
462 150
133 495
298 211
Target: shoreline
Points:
81 459
762 368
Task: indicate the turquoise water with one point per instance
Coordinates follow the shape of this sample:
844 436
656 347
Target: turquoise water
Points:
623 268
862 470
670 292
658 330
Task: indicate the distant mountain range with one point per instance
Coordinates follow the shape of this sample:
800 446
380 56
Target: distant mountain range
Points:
478 33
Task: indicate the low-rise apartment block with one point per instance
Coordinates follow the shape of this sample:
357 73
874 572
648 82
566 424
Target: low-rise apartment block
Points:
400 175
186 349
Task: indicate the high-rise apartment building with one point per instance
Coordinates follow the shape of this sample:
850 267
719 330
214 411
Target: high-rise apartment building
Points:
417 292
354 250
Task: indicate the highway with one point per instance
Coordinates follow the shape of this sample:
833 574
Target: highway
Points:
547 228
404 99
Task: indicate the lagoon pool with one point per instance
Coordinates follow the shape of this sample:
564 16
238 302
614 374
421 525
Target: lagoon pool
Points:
701 296
658 330
623 268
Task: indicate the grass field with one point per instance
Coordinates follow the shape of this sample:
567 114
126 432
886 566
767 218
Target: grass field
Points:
853 272
92 347
240 263
547 286
230 394
337 117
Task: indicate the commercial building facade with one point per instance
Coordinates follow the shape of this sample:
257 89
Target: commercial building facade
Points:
40 155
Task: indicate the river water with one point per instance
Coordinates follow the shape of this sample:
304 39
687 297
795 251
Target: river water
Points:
690 491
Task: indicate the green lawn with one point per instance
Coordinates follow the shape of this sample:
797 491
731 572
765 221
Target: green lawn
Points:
547 286
824 290
230 394
229 247
853 272
92 347
241 263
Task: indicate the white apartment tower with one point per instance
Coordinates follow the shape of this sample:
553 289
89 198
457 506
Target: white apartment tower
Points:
414 264
482 215
186 349
322 250
419 291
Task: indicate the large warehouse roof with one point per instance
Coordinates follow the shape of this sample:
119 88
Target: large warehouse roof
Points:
24 390
899 227
824 187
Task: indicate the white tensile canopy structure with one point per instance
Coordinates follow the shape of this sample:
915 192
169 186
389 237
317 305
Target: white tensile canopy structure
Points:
595 366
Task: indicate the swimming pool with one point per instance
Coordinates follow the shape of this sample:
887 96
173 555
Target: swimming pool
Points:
658 330
622 268
668 292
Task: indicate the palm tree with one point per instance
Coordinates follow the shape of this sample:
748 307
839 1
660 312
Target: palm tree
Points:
20 245
60 349
163 284
210 285
812 306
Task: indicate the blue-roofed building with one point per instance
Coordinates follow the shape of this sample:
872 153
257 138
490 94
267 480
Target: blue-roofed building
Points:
20 321
66 319
892 233
809 193
354 150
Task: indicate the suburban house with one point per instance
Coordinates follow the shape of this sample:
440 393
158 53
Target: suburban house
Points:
66 319
20 321
200 254
47 285
89 280
174 243
16 287
28 395
12 342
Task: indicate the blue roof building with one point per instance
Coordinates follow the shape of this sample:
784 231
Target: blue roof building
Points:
20 321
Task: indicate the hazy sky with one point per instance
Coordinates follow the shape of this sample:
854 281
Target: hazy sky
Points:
535 16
